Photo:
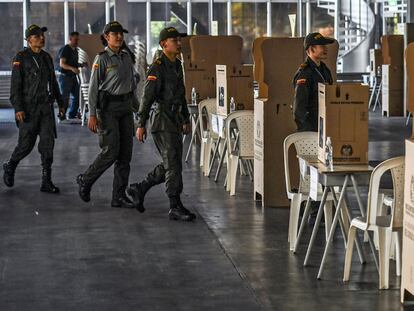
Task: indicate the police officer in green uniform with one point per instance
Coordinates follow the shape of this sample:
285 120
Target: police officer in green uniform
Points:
305 82
111 106
165 89
33 91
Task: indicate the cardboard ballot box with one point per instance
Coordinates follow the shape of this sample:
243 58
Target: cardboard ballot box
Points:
392 90
343 116
407 273
234 81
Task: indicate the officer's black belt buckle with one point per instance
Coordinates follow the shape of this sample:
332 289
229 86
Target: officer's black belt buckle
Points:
123 97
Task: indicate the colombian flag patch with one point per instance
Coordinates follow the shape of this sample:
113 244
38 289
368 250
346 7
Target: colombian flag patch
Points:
95 66
16 64
152 78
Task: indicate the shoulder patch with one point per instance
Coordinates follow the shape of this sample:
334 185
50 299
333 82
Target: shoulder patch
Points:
151 78
303 66
300 81
102 52
96 66
157 61
16 64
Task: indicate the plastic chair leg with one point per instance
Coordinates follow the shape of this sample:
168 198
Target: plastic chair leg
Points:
328 217
234 164
348 254
398 248
294 219
384 235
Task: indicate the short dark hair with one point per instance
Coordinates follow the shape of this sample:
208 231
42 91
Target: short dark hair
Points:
74 33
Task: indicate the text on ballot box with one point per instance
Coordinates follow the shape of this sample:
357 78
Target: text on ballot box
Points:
314 183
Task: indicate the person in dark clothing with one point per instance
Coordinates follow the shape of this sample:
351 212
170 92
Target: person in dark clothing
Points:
305 82
165 88
111 105
68 80
33 91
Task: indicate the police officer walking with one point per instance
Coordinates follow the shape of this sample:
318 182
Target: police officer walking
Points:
305 82
111 106
165 87
33 91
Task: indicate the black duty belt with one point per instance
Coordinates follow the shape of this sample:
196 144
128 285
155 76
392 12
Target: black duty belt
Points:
115 98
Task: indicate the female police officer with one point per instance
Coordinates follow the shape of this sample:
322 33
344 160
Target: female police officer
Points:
111 106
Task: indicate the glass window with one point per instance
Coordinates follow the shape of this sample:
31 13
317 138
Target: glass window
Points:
87 17
164 15
200 18
12 33
281 22
50 14
220 17
249 22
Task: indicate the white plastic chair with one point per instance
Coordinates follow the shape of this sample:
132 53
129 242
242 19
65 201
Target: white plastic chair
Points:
306 143
245 144
84 101
206 108
385 225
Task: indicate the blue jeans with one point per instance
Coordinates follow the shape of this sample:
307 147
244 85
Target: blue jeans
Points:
69 87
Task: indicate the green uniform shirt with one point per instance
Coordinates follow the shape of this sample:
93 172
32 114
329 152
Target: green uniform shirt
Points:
112 73
165 88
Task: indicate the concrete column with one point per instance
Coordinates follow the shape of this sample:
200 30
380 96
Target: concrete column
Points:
189 18
299 17
229 19
148 26
66 20
26 18
269 18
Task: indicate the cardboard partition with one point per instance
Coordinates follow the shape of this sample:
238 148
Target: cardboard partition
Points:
407 273
392 103
234 81
393 50
375 61
409 58
259 66
333 50
186 49
273 122
213 50
392 77
343 116
91 44
198 77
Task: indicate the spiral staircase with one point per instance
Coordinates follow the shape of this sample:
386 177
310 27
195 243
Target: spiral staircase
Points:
355 33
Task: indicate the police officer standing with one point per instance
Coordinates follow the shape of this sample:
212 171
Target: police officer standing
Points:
305 82
111 106
165 87
33 91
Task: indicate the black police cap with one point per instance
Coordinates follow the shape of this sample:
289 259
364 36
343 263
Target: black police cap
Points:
114 26
34 30
315 38
170 32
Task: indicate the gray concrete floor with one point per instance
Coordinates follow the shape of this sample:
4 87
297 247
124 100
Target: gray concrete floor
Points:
58 253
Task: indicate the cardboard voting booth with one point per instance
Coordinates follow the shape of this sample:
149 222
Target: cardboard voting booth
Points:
343 116
202 54
234 82
392 90
407 273
375 61
273 118
409 57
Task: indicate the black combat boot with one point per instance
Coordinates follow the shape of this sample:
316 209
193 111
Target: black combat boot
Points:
47 185
137 193
122 202
9 168
84 189
178 211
